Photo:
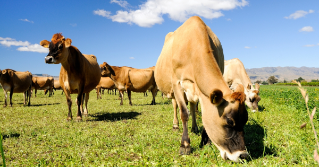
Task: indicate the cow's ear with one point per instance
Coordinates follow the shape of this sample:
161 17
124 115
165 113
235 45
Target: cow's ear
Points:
68 42
45 43
257 86
4 71
248 86
11 73
216 97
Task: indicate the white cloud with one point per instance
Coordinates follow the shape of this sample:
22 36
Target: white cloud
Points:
298 14
307 29
309 45
73 24
151 11
247 47
228 19
26 20
132 58
23 46
102 13
123 4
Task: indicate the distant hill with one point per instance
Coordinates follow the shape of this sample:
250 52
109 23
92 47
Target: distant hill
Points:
283 73
45 75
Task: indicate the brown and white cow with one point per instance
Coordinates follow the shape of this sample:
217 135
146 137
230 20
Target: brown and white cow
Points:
189 67
79 73
130 79
16 82
234 74
42 83
105 83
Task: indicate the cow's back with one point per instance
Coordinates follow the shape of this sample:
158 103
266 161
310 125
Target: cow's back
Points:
106 83
235 73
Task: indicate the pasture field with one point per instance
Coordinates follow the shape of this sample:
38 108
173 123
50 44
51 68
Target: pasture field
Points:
142 135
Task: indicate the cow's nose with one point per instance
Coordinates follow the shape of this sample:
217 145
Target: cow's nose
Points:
48 59
243 156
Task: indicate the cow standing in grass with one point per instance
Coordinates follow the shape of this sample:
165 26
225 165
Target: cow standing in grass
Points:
16 82
189 69
79 73
42 83
130 79
105 83
234 74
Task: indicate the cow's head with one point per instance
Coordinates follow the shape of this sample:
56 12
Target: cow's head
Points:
252 97
106 70
57 48
6 75
225 127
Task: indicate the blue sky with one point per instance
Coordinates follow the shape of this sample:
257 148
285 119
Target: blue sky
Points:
131 33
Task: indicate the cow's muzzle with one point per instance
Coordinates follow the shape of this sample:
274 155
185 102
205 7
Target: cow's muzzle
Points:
49 59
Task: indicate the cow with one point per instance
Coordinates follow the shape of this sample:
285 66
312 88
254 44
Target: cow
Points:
130 79
79 74
42 83
105 83
56 86
234 74
16 82
189 68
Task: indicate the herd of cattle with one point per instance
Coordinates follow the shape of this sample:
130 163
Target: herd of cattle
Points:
190 69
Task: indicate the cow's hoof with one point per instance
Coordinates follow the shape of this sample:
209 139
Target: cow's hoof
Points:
185 150
195 130
85 114
78 119
5 106
175 127
69 119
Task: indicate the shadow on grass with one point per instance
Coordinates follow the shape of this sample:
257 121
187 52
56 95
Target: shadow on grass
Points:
36 105
12 135
254 137
114 116
261 108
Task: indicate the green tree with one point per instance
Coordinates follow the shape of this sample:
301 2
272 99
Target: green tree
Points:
264 83
272 80
299 79
315 80
258 81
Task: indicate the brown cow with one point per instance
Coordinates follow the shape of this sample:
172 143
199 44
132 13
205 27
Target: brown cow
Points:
42 83
190 67
79 73
130 79
16 82
56 86
235 74
105 83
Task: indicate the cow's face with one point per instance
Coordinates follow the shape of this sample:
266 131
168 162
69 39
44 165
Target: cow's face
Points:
252 97
225 127
6 74
106 70
57 49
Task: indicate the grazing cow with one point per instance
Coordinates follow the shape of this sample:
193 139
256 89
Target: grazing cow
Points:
130 79
56 86
234 74
189 69
80 73
16 82
105 83
42 83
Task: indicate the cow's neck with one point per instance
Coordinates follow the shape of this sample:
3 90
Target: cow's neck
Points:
72 63
117 72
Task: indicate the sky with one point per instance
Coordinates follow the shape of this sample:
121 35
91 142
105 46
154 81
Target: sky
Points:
131 33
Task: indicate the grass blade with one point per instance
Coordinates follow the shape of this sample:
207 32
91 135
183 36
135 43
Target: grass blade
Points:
2 153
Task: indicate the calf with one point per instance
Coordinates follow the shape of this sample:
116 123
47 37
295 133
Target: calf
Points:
189 68
79 73
16 82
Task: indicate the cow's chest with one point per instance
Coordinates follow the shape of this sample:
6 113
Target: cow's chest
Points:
190 90
6 87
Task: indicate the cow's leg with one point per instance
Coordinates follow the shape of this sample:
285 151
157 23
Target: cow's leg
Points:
11 94
24 96
115 91
205 139
193 113
79 102
129 96
81 105
121 97
69 101
154 92
185 148
5 98
35 92
98 92
50 92
175 121
87 95
29 95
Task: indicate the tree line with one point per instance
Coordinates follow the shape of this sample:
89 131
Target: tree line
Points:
273 80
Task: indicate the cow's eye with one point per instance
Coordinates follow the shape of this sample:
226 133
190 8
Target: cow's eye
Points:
230 122
60 46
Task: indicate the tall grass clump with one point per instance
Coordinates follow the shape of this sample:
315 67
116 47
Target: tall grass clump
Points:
1 150
306 97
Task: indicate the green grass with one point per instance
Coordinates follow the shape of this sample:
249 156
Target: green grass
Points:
142 135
